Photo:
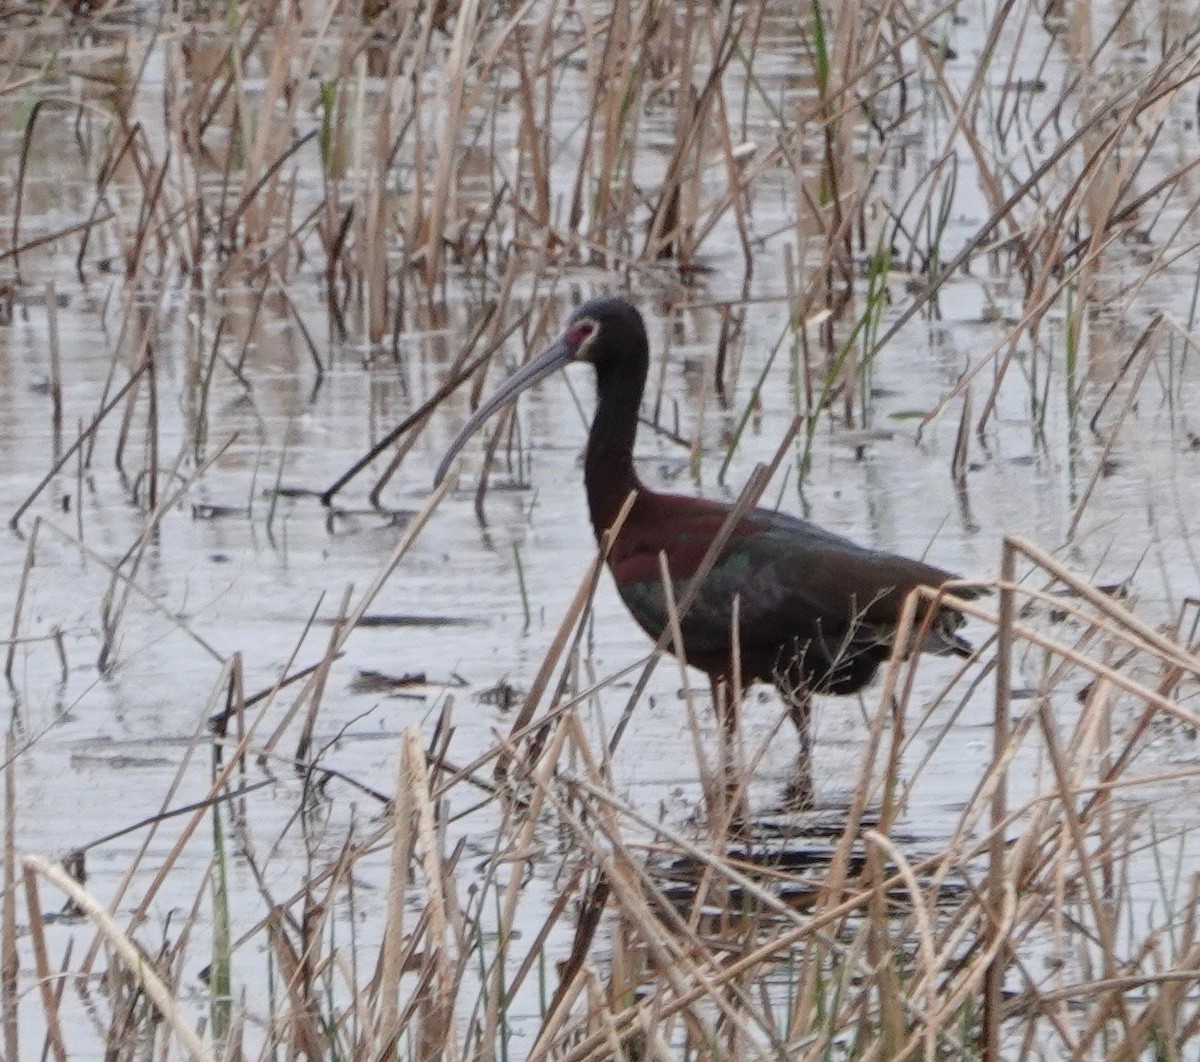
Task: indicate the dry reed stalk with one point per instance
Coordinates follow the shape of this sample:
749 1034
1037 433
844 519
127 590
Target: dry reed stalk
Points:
997 882
522 843
1076 841
10 962
56 389
263 130
925 939
677 211
168 863
19 605
436 1038
301 1023
675 964
964 110
132 957
319 679
451 107
37 930
808 1001
1130 397
387 1025
376 224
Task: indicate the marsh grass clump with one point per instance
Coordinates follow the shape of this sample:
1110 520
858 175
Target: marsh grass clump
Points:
256 261
1056 912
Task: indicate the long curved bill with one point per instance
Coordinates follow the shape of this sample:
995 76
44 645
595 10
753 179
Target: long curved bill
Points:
561 352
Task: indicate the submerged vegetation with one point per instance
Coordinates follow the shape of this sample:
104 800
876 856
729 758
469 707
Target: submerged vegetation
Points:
289 774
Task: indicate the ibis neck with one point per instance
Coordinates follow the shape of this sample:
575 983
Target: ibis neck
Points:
608 470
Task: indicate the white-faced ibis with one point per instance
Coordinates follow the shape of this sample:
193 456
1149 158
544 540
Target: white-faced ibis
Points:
816 612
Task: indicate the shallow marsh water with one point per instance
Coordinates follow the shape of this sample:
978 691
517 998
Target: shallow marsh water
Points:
235 568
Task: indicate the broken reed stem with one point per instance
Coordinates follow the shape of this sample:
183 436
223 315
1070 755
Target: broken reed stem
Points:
18 608
112 613
161 608
132 957
84 436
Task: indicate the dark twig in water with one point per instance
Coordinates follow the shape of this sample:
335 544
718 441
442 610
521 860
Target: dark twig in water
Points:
97 420
448 388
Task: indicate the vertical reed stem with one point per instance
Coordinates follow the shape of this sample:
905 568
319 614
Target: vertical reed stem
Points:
994 986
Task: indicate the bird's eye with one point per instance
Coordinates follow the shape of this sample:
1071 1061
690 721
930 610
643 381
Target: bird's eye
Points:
583 330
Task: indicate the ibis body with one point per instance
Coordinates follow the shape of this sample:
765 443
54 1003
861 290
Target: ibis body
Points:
815 612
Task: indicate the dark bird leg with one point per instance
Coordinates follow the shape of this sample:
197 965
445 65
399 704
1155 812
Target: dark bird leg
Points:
800 793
